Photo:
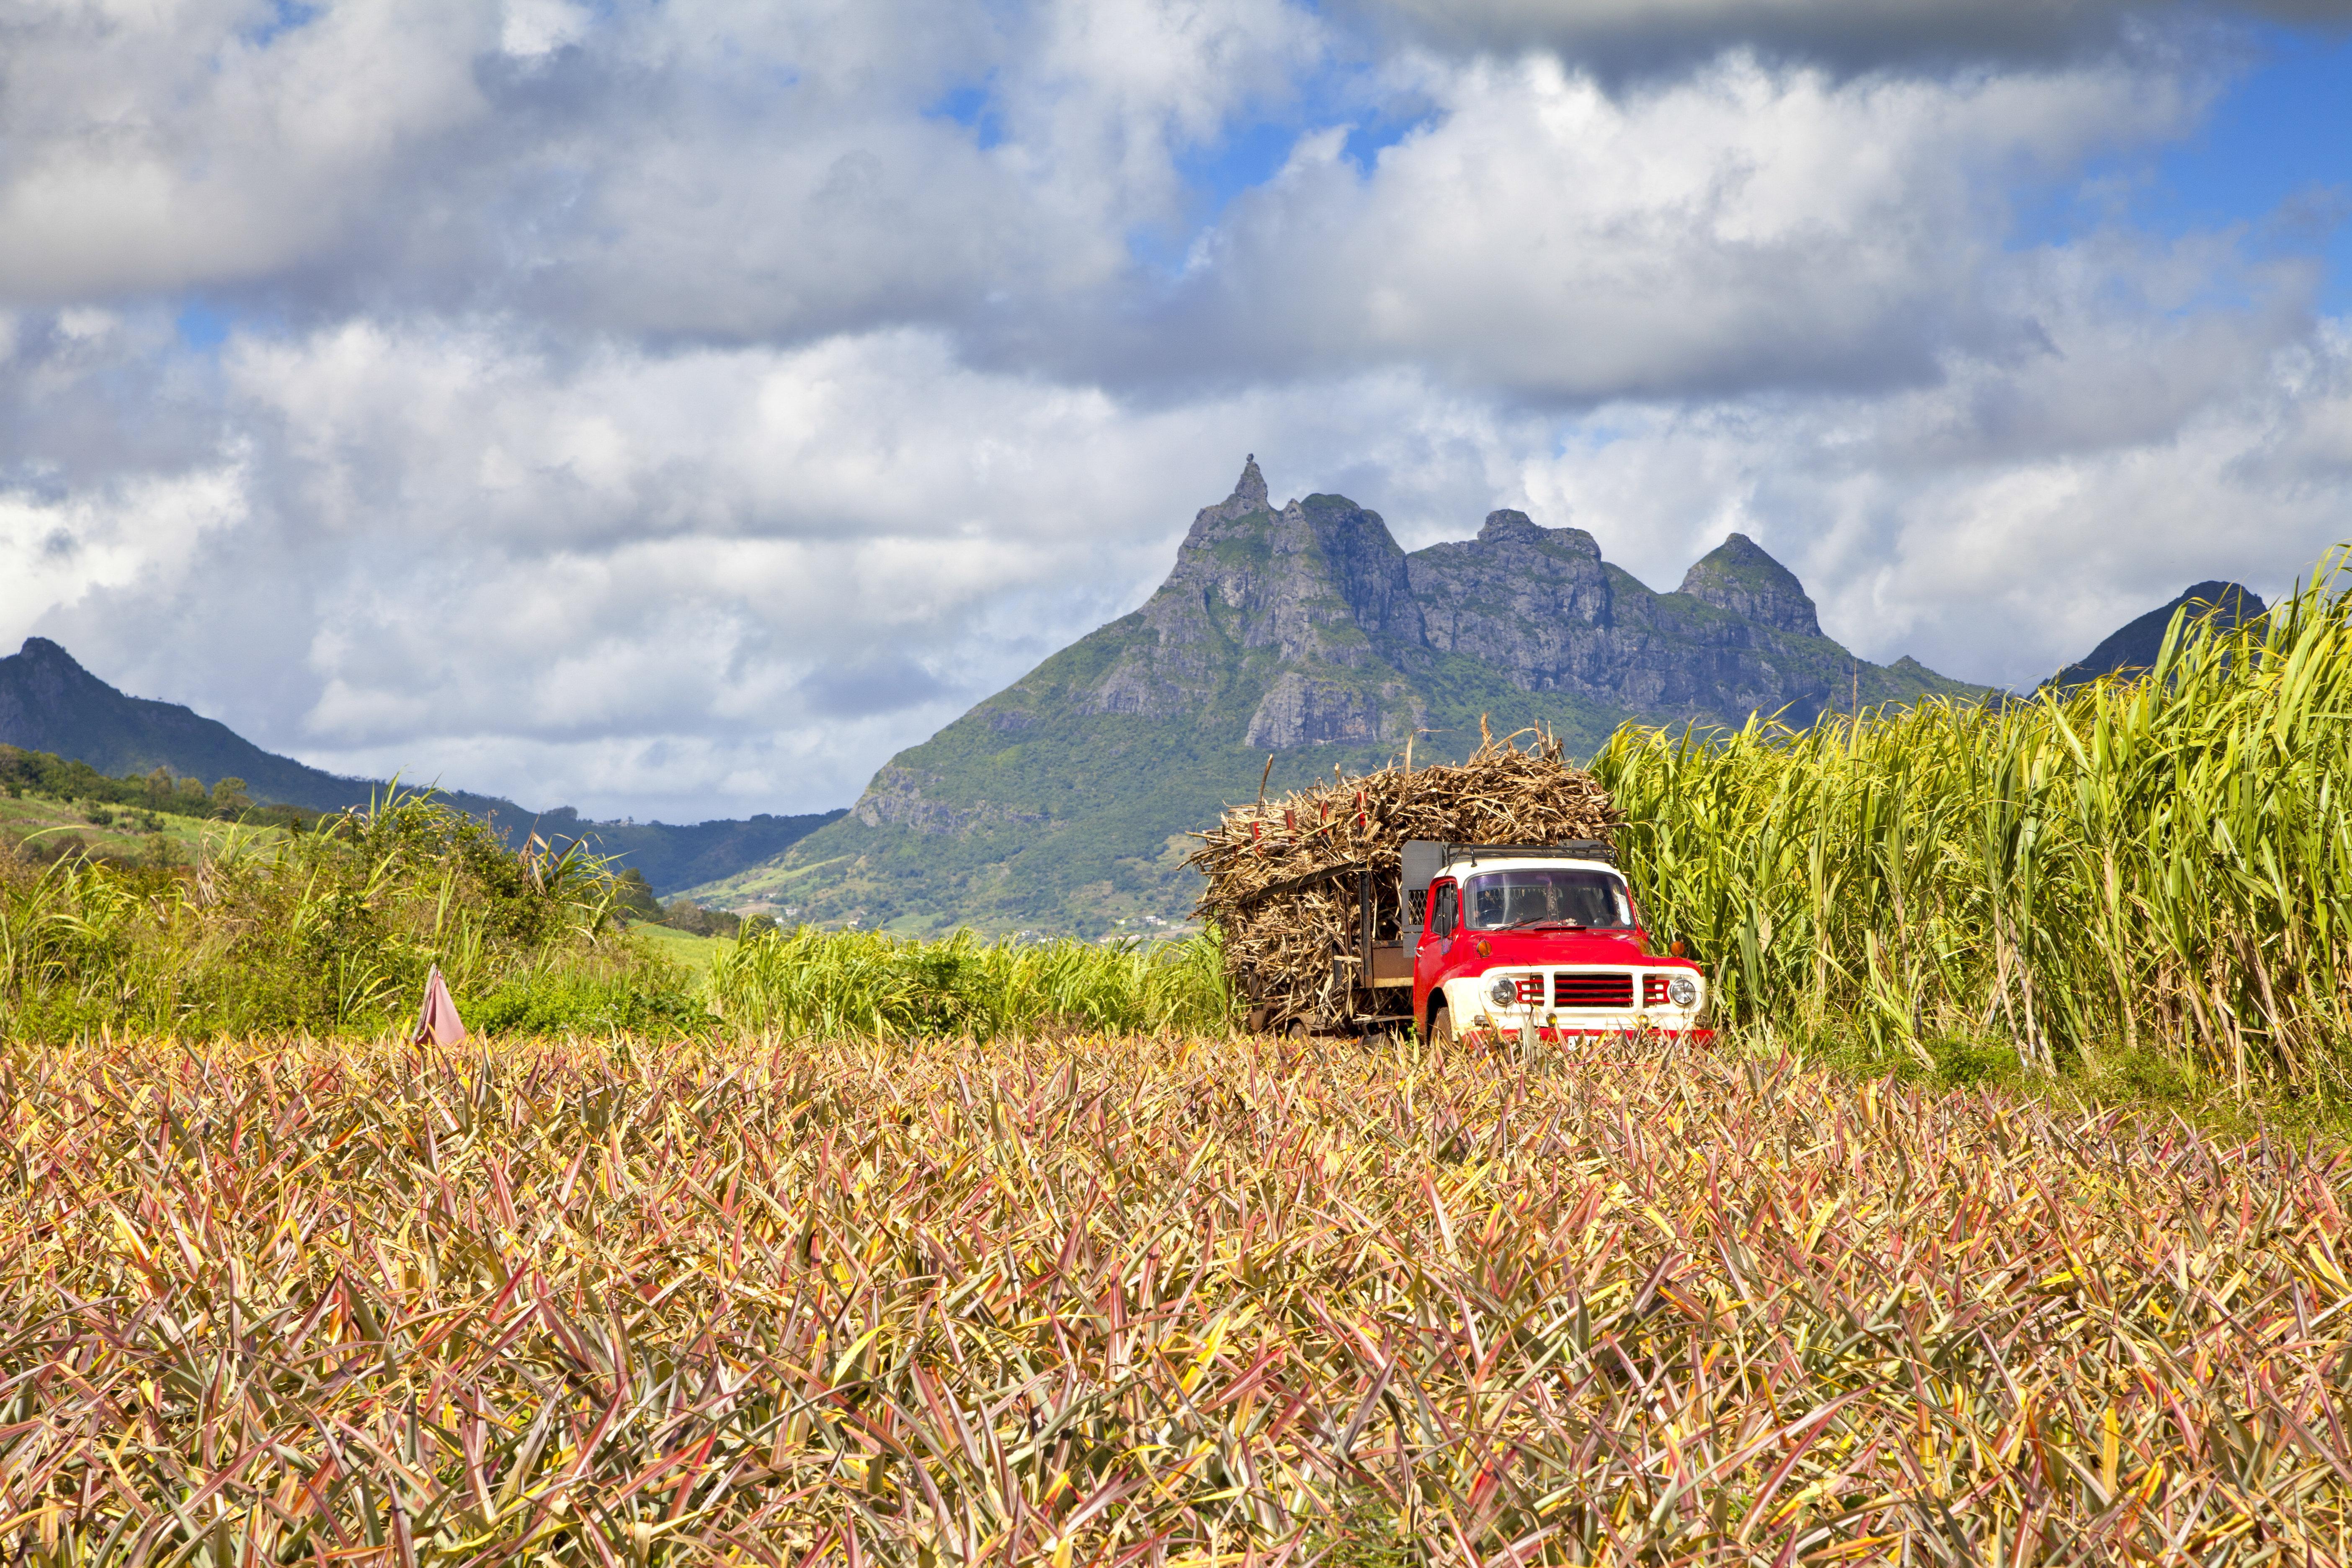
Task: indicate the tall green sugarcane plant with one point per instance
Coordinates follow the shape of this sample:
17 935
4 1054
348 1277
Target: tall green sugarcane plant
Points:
2155 861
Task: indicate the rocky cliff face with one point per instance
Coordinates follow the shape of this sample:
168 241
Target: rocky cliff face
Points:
1542 606
1352 621
1535 601
896 799
1303 631
1319 586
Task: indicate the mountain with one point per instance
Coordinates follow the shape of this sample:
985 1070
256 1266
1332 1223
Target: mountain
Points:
1305 632
49 702
2133 646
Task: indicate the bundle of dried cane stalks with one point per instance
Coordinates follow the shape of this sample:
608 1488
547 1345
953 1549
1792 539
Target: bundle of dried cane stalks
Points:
1280 873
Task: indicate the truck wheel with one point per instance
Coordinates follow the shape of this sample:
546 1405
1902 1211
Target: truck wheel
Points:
1441 1026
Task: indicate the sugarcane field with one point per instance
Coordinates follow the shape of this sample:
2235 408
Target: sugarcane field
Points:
1955 1173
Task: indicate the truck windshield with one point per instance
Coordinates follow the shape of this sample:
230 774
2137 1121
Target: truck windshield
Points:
1546 896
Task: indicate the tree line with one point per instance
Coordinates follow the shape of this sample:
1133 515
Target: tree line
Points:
26 772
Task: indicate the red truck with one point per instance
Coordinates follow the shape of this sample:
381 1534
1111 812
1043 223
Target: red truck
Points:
1533 940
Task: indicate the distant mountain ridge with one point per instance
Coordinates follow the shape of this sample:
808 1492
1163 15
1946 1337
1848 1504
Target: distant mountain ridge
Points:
49 702
1306 632
673 855
2135 645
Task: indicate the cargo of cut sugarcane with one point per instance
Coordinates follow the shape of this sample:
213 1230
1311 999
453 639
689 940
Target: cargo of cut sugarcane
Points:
2154 866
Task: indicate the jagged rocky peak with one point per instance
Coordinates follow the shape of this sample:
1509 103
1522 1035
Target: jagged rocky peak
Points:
1247 507
1508 526
1297 578
1307 581
1738 576
1249 496
1241 515
1249 490
1505 596
1334 625
41 654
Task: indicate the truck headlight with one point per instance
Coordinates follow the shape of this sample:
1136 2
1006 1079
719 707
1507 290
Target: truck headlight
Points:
1682 991
1505 991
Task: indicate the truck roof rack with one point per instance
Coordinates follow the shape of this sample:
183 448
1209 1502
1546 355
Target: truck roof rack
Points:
1574 849
1424 859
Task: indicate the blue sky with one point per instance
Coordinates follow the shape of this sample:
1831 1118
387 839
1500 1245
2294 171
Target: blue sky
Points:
572 401
2282 139
2272 157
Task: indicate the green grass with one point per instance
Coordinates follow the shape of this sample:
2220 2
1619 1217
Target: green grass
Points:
334 931
695 955
43 826
630 985
820 985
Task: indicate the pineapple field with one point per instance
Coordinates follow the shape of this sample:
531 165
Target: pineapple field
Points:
1148 1300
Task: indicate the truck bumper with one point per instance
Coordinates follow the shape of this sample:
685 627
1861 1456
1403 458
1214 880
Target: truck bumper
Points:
1474 1013
1580 1032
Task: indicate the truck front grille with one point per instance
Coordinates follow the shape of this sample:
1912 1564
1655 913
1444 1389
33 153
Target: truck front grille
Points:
1653 991
1602 990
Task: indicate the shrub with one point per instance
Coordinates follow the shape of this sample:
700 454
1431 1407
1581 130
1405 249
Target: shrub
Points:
320 932
631 993
681 914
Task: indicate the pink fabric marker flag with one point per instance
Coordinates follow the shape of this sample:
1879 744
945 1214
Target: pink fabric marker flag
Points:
438 1024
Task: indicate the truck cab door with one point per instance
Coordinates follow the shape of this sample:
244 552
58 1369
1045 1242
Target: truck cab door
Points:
1436 939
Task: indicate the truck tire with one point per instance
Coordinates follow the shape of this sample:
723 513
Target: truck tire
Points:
1441 1026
